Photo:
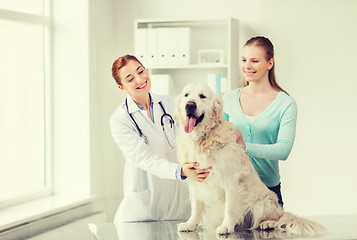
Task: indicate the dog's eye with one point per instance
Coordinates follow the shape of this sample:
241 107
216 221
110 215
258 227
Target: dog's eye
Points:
202 96
186 95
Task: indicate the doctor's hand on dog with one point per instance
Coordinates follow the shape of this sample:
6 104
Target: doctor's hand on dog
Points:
190 170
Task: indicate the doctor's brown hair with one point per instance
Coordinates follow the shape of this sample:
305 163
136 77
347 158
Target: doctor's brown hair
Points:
119 63
268 47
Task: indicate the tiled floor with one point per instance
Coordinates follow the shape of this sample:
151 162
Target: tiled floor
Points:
339 227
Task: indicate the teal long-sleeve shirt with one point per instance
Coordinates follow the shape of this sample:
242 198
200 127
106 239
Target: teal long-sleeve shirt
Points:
269 137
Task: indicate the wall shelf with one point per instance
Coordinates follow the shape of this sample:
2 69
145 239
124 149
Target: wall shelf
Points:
204 34
191 66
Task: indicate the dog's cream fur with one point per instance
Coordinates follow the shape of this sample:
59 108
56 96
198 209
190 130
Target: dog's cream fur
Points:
232 196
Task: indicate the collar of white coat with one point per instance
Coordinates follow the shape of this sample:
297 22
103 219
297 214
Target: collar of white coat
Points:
132 107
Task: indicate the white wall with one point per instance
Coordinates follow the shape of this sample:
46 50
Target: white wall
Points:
106 159
316 47
315 62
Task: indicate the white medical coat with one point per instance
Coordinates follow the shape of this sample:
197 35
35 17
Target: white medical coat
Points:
151 190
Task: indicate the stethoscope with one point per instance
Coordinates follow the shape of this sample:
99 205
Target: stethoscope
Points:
172 123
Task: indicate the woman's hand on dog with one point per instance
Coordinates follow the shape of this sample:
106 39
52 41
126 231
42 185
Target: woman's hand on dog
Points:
240 140
192 171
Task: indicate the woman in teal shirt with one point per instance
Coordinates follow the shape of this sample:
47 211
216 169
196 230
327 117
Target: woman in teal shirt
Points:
263 112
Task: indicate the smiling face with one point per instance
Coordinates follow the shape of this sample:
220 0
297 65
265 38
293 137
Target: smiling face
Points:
135 80
196 105
254 65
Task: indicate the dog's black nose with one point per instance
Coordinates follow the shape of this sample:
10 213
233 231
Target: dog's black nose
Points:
190 108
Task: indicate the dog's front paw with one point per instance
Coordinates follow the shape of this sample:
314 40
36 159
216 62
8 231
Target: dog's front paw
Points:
225 229
267 225
187 227
188 236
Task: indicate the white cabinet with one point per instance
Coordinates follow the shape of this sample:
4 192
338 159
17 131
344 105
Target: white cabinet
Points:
189 50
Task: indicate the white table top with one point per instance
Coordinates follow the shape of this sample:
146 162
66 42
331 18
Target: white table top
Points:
338 226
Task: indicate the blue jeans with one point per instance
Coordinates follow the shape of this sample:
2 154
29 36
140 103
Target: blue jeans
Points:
277 191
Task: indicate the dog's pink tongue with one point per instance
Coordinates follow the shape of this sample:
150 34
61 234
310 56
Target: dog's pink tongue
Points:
190 124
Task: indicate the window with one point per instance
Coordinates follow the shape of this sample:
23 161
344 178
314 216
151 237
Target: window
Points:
24 116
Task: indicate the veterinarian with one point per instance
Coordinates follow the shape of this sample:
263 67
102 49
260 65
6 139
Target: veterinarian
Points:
263 112
144 130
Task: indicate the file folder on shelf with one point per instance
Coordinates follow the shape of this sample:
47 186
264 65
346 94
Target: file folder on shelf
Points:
183 57
141 39
152 45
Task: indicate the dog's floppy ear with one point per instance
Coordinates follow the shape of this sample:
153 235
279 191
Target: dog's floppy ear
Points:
217 106
176 113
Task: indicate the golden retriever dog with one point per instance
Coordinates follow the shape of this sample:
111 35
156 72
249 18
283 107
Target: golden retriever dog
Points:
232 196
